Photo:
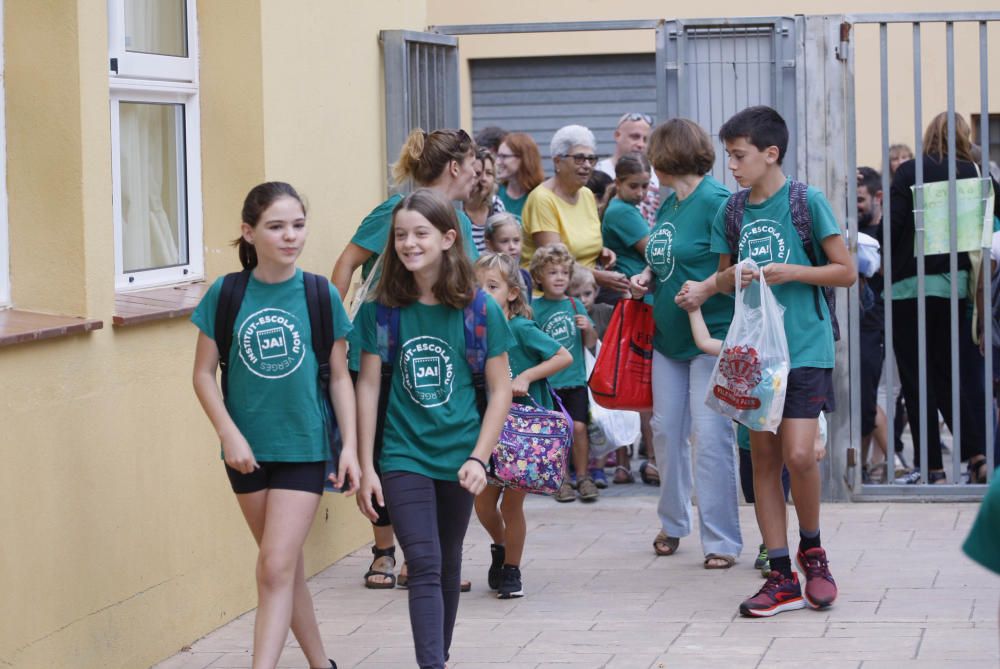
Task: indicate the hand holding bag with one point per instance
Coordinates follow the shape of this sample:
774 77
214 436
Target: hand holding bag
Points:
608 428
622 376
750 377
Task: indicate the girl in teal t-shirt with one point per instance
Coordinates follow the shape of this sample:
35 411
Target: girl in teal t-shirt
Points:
271 421
435 443
623 227
534 357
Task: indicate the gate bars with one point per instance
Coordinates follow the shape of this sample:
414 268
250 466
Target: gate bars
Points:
917 20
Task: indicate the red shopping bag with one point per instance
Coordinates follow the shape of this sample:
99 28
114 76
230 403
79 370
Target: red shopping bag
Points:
622 376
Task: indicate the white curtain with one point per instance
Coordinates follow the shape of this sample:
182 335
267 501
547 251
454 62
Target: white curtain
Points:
156 26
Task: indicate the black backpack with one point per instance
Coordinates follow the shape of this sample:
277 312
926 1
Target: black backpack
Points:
798 202
234 287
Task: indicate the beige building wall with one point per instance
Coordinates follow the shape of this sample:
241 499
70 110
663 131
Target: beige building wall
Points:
121 539
450 12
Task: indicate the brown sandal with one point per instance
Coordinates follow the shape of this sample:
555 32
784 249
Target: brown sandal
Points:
727 560
665 545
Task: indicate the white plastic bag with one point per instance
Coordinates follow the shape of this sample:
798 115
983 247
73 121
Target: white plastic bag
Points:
609 428
750 377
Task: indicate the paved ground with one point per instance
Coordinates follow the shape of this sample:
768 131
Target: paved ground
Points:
597 596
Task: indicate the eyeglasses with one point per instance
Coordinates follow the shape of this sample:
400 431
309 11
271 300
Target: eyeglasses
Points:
635 116
581 158
505 156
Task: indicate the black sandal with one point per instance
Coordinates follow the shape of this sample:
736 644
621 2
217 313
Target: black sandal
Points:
977 471
378 554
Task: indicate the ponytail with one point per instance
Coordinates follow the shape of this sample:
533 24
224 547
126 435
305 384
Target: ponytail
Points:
424 157
247 253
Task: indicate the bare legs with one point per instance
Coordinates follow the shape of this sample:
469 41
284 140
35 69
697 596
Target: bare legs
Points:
280 521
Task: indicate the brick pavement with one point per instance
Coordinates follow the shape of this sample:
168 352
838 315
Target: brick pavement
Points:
597 597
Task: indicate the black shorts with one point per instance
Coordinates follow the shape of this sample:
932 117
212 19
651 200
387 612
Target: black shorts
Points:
809 391
576 402
304 476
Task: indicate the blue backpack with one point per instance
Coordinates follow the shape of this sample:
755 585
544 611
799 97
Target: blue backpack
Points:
798 202
387 341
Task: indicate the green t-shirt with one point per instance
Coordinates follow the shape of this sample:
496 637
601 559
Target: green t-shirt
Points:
273 394
557 318
679 250
532 347
935 285
983 542
622 228
511 204
767 235
372 235
431 423
743 436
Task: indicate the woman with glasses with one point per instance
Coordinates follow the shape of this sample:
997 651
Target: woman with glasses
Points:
519 170
562 208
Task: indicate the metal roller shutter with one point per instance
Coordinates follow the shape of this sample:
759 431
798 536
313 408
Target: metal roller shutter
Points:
540 95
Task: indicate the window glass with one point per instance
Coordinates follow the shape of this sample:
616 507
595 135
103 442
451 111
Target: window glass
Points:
153 197
156 27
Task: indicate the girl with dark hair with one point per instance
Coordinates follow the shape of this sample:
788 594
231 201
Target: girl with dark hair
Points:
271 422
445 161
624 229
435 443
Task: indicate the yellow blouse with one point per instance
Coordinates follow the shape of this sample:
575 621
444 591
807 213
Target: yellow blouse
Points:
577 225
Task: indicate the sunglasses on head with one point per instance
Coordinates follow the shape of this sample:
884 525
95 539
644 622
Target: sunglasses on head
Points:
635 116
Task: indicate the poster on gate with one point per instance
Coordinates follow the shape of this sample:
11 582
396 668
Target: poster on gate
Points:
975 215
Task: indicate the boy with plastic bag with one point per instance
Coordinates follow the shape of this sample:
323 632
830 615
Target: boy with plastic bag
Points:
788 229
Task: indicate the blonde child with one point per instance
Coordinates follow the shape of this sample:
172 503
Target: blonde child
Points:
566 321
271 421
435 443
503 235
533 358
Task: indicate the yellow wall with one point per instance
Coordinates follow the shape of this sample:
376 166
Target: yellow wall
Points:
121 541
446 12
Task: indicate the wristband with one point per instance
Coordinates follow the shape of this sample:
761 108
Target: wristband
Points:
473 458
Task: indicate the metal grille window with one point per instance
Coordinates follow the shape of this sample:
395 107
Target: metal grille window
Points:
421 86
155 145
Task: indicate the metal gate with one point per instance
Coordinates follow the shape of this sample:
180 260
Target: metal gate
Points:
804 66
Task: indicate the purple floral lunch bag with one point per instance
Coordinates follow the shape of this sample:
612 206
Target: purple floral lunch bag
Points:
533 447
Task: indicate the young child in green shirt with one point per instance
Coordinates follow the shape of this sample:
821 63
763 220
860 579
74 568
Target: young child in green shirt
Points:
565 320
534 357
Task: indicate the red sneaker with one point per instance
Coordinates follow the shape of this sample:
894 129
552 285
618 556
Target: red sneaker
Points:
778 594
821 589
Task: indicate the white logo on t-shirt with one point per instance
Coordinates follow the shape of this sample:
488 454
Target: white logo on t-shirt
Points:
428 373
762 242
562 327
270 343
660 251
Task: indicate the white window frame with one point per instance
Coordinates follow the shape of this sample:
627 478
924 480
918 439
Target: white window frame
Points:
134 65
4 230
147 78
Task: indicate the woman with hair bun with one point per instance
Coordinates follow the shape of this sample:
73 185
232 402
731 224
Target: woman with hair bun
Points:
443 161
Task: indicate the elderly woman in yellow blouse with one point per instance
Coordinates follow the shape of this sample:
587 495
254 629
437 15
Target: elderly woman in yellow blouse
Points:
562 208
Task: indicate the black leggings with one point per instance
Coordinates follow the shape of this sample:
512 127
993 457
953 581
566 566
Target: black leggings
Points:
430 518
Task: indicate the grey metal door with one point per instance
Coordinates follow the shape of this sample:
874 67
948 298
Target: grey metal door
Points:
709 69
421 86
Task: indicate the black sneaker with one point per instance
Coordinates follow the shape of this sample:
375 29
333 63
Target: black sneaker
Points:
510 583
497 555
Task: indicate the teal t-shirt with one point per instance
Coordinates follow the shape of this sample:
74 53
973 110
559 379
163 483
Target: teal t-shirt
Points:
532 347
510 204
622 228
983 542
557 318
431 423
679 250
273 394
767 235
372 235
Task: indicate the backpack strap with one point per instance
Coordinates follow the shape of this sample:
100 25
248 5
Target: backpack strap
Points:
234 287
387 341
321 323
474 322
798 203
735 207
